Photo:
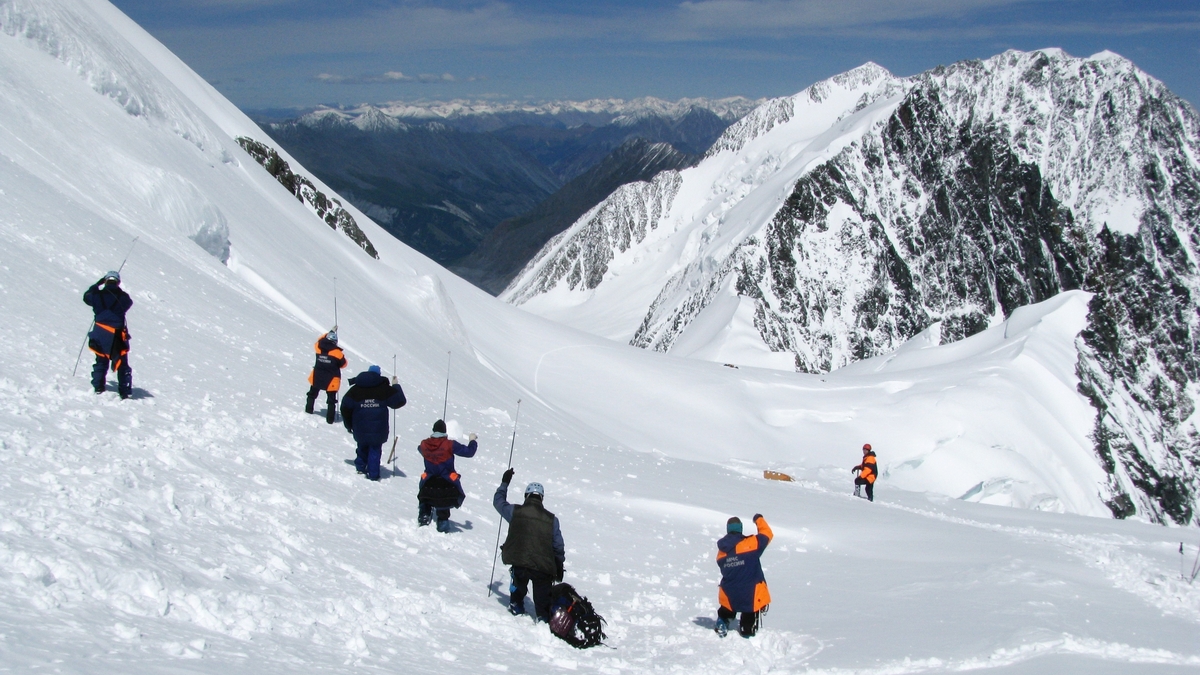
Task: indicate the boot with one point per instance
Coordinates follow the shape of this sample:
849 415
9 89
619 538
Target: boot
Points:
308 404
330 413
722 629
857 490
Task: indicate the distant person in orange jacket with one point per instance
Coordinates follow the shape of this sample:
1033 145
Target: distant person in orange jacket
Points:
743 586
868 471
326 374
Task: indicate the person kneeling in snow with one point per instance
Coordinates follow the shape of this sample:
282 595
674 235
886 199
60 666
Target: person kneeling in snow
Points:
365 414
440 487
109 338
534 548
868 471
743 586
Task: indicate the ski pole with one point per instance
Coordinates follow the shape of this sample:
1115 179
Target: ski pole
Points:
335 316
395 436
446 397
499 525
92 325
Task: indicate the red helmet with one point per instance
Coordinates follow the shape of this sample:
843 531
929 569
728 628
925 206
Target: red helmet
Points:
866 446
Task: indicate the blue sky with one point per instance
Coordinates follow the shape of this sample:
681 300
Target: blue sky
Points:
283 53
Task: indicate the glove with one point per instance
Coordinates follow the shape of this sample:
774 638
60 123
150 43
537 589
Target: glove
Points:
559 575
472 436
507 478
394 380
756 517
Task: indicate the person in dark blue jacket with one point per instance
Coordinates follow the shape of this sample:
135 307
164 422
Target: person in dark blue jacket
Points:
441 487
534 547
365 414
743 585
109 338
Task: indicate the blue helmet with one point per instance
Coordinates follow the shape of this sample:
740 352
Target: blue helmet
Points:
113 276
374 369
535 489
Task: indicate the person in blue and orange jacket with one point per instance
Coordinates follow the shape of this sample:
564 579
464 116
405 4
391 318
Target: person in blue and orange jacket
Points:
868 471
743 586
109 338
439 453
365 414
326 374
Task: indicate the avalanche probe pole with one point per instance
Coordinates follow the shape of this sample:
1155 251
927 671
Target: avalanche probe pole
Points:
335 317
93 324
499 525
395 436
446 398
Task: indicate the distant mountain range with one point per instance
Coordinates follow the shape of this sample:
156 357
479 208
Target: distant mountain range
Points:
440 176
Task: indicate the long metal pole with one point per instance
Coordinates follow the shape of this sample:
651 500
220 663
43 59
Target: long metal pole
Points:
335 315
395 436
500 524
446 397
92 325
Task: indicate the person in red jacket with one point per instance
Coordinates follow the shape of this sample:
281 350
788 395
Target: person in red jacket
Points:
440 488
868 471
743 585
326 374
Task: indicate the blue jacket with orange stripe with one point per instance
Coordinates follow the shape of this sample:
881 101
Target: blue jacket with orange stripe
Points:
743 586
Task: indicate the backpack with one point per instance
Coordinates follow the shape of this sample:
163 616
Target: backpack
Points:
573 619
439 493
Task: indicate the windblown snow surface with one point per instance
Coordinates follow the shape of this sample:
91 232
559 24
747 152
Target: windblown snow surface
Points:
208 526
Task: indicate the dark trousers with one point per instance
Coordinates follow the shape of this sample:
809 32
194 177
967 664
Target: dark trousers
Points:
870 488
330 398
366 459
748 625
425 513
521 576
124 376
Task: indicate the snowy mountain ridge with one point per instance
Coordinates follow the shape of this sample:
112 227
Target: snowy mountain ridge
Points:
830 227
622 111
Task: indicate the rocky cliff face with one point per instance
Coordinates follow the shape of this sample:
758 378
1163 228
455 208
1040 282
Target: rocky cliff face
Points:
949 198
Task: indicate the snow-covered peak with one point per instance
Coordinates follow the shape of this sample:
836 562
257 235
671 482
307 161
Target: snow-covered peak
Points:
820 103
373 119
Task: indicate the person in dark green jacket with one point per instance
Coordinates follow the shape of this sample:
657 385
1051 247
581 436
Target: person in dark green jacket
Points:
534 549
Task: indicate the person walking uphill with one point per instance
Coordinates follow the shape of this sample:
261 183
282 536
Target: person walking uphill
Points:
365 414
868 471
743 586
109 339
326 374
534 548
440 486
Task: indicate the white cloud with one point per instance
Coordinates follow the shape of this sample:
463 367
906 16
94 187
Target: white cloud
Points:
390 76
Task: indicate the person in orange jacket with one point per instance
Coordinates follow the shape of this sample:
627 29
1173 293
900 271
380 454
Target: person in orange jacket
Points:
743 586
868 471
326 374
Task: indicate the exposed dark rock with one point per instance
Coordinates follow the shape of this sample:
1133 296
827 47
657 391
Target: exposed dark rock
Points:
327 209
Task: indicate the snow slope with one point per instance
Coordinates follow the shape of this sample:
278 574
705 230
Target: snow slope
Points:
208 525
